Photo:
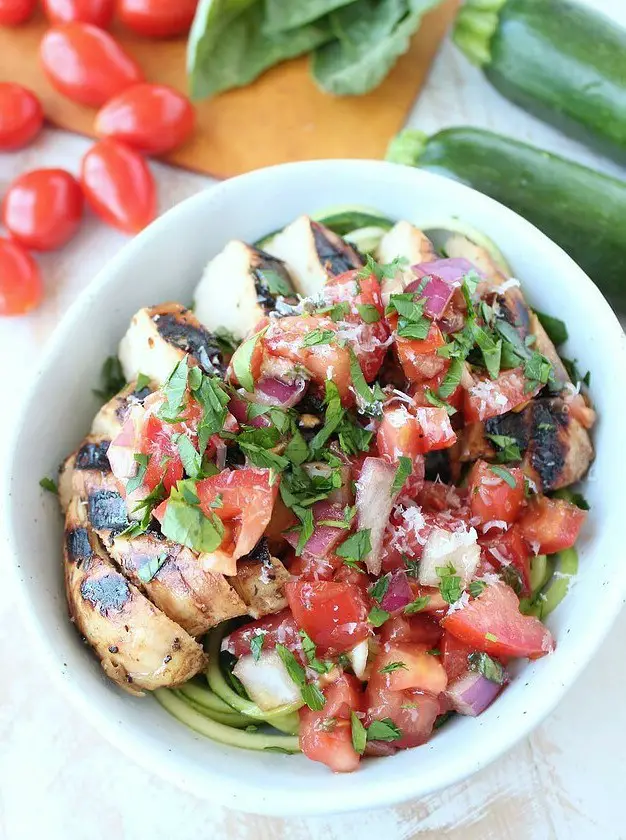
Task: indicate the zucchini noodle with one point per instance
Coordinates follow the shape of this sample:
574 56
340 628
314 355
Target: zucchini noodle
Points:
549 595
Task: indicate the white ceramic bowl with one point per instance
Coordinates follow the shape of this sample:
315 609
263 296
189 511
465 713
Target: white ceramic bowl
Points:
165 262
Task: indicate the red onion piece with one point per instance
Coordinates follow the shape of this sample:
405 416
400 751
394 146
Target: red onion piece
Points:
278 393
445 276
239 406
398 593
471 693
324 537
220 452
379 748
374 501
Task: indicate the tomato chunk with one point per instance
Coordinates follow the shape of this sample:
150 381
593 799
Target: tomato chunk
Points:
334 614
509 549
550 525
491 496
400 666
493 623
419 359
411 433
418 629
275 629
414 712
326 735
454 655
487 398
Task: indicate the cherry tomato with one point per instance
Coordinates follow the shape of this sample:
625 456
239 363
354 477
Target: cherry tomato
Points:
419 669
157 18
42 209
21 116
86 64
333 614
97 12
493 623
413 711
151 118
326 735
119 186
491 496
21 288
550 525
14 12
276 628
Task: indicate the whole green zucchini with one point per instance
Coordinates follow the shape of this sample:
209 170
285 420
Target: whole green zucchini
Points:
582 210
559 60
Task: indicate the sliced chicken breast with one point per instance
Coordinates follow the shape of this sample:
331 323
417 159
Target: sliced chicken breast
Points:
160 336
139 647
312 254
239 286
172 577
86 470
109 420
406 240
260 581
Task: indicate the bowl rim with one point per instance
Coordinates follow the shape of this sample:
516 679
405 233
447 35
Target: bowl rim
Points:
129 741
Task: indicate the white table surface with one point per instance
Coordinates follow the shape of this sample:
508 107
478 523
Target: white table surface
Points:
60 779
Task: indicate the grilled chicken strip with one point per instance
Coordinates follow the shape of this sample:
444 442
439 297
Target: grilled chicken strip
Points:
312 254
556 449
406 240
87 471
260 581
139 647
239 286
172 577
109 420
160 336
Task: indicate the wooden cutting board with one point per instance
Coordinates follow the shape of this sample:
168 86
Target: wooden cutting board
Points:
280 117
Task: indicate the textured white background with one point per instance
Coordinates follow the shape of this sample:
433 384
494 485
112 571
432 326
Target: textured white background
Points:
60 779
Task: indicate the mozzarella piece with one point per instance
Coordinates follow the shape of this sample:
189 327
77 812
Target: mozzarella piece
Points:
159 336
267 680
460 548
236 289
312 254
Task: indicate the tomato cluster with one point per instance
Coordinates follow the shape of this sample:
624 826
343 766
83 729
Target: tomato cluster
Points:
43 209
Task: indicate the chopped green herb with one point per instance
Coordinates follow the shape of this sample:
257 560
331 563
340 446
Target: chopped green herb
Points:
537 368
449 583
142 382
297 450
383 271
311 694
379 589
433 399
189 455
476 587
308 526
339 311
348 515
369 396
214 401
556 329
403 471
503 473
310 652
417 605
359 734
112 379
185 523
377 617
508 448
256 645
174 391
490 637
318 337
412 567
488 667
451 380
137 480
491 350
226 340
149 569
393 666
333 417
48 484
434 652
368 312
356 547
242 360
383 730
274 282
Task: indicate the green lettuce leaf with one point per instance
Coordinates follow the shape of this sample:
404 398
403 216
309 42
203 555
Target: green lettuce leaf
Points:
281 15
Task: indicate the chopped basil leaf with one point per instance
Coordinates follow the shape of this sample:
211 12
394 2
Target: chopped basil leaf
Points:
449 583
382 271
359 734
471 281
555 328
393 666
433 399
491 350
142 465
275 283
318 337
348 515
311 694
226 340
353 564
214 401
339 311
149 569
242 359
383 730
418 330
488 667
358 380
379 589
310 652
185 523
368 312
357 547
537 368
403 471
297 450
353 438
333 417
451 380
434 652
504 474
174 391
412 567
112 378
189 455
377 617
508 448
256 645
142 382
313 697
48 484
476 587
417 605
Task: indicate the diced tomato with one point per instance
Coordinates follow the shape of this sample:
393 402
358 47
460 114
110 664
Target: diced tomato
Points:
417 629
244 498
344 574
508 548
413 711
309 567
550 525
334 614
279 628
487 398
493 623
326 735
165 464
282 519
418 669
491 497
419 359
437 497
285 336
454 655
409 433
